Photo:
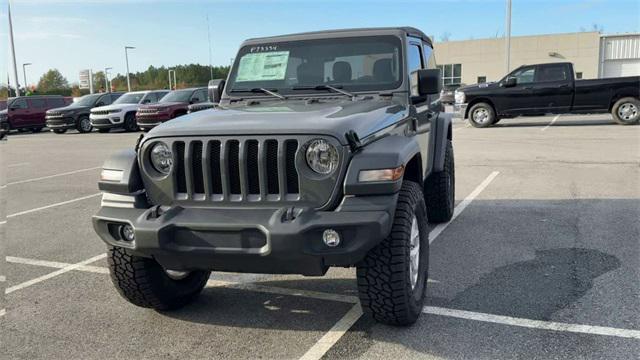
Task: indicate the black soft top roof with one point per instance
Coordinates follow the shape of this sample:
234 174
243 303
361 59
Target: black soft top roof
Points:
411 31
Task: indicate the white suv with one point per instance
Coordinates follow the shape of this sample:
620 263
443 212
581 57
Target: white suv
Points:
122 113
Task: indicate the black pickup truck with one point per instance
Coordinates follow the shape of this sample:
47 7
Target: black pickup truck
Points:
549 89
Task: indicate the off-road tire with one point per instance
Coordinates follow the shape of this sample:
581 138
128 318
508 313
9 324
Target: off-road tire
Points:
59 131
440 189
79 126
384 284
143 282
104 130
626 101
491 115
130 123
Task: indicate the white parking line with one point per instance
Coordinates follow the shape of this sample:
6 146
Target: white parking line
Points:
3 312
54 274
55 264
53 176
462 205
18 164
551 123
320 349
53 205
534 324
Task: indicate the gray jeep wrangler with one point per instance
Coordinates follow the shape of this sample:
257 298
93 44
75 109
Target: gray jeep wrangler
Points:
326 149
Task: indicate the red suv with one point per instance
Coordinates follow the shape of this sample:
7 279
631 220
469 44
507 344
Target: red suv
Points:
28 112
172 105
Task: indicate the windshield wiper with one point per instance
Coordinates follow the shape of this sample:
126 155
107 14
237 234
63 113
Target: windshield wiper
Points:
337 88
262 90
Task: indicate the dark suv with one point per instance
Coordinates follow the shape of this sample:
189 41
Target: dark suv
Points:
326 149
28 112
172 105
76 115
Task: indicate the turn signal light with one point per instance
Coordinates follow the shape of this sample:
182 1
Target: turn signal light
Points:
381 174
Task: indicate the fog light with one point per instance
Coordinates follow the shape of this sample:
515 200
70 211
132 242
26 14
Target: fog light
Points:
127 232
331 238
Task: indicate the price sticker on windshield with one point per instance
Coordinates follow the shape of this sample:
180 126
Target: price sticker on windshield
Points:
263 66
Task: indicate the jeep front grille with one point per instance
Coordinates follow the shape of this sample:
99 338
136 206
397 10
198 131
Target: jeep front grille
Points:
236 170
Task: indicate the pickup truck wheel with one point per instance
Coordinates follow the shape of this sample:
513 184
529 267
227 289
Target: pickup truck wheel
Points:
440 189
84 124
626 111
59 131
130 123
143 282
392 278
481 115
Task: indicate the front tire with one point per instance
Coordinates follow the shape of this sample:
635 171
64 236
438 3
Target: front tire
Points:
440 189
130 123
84 125
482 115
392 278
143 282
626 111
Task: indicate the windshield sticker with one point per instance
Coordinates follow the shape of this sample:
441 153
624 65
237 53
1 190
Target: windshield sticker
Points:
263 66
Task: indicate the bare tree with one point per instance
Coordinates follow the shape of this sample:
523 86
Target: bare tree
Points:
445 36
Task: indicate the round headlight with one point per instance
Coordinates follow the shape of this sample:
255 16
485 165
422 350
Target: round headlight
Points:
322 157
161 158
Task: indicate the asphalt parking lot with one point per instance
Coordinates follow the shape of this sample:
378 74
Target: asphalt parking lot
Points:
542 261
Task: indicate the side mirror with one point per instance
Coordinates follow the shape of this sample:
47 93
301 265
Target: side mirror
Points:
194 100
100 104
216 87
426 82
146 101
510 82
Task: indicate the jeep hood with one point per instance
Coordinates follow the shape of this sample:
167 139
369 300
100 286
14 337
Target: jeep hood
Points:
288 117
123 107
72 107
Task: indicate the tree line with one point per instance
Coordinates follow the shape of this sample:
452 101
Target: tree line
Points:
54 83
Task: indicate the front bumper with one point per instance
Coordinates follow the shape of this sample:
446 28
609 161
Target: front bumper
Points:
460 110
106 121
253 240
66 122
148 121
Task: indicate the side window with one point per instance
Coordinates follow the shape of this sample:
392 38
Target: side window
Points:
429 55
56 102
114 97
150 98
104 100
415 58
19 104
525 75
38 103
551 73
199 96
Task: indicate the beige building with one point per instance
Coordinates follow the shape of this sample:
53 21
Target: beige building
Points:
593 55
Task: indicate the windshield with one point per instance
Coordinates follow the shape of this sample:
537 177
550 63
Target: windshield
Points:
130 98
353 64
87 100
177 96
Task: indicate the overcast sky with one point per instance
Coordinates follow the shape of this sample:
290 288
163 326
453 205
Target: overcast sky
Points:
73 35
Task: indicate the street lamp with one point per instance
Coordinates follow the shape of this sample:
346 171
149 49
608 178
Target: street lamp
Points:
24 73
126 56
175 83
107 88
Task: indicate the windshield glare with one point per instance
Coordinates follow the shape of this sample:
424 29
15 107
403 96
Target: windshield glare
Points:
131 98
87 100
355 64
177 96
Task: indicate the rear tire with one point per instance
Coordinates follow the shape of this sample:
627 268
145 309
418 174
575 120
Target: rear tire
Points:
440 189
130 123
482 115
143 282
84 124
626 111
59 131
391 286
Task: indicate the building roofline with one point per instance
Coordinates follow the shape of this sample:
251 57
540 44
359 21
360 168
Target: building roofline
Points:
526 36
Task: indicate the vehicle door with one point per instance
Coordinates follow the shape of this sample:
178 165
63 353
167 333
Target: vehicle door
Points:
552 88
425 108
19 113
39 109
515 99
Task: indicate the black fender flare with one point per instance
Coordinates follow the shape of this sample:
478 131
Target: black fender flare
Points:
126 162
386 153
442 135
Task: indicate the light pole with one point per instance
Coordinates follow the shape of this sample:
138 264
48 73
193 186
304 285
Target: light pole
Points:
13 52
175 83
24 73
126 57
507 35
107 88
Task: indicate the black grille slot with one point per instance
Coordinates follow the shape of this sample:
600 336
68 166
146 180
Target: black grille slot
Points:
291 147
196 161
216 176
181 180
273 186
252 167
234 167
